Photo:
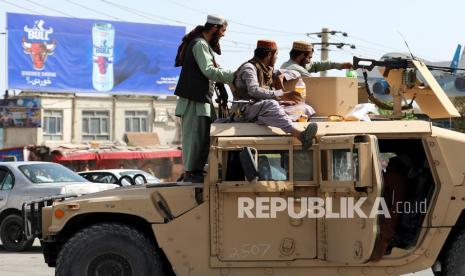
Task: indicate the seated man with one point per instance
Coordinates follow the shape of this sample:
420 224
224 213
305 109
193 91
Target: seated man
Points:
254 83
301 60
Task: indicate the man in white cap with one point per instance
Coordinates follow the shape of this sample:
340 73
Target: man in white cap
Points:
301 60
195 89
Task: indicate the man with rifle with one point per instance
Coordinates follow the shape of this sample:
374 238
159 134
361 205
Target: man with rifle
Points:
195 88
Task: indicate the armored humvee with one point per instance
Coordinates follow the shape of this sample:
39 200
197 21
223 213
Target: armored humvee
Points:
267 207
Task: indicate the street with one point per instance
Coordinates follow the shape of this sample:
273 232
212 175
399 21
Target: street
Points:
31 263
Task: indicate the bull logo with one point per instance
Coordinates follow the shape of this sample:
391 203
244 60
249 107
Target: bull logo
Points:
102 63
38 52
102 56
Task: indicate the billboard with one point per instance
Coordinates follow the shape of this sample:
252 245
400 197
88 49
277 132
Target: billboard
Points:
23 112
59 54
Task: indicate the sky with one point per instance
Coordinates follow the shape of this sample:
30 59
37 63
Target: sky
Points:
432 28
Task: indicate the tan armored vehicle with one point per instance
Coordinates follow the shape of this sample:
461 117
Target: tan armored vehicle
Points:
368 198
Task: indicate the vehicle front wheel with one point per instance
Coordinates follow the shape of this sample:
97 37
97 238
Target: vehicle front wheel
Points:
453 257
108 249
11 234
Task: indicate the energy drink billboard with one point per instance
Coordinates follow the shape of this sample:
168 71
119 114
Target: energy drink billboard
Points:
59 54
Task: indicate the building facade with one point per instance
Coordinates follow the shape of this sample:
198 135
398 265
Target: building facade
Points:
77 119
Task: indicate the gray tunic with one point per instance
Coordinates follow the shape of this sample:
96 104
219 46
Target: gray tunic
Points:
267 111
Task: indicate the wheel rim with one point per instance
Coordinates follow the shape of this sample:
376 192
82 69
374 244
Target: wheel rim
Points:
13 234
109 265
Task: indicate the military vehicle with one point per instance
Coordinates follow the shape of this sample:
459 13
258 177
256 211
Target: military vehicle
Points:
232 223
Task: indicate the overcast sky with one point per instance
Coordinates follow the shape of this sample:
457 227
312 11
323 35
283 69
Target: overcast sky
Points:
432 28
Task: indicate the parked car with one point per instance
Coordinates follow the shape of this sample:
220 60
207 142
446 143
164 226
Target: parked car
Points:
122 177
25 181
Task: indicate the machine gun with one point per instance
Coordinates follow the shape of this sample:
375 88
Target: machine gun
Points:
222 100
403 67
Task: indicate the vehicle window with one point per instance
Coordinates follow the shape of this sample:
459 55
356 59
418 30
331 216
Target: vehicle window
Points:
6 180
303 165
49 173
273 165
100 178
345 165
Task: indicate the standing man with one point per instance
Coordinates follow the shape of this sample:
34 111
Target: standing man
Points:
301 60
195 89
255 85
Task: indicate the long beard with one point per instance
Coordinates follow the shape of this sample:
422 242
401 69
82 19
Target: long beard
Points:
215 43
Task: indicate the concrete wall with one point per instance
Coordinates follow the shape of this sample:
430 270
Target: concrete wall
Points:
115 105
18 137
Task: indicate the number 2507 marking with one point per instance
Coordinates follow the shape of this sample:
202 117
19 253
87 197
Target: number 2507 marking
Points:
250 250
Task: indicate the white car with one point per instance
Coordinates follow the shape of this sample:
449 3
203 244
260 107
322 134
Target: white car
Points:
122 177
25 181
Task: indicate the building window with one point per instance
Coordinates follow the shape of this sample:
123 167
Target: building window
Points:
137 121
53 125
95 125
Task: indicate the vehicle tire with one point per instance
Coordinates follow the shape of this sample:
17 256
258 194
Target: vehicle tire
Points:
11 234
108 249
453 258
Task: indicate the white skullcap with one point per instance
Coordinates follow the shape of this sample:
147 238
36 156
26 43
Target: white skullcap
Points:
215 19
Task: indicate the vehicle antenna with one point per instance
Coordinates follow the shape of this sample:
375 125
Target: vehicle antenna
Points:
406 44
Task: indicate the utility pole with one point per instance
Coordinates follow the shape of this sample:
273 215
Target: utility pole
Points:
324 48
325 44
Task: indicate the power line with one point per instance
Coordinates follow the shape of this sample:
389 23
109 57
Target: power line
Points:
48 8
95 11
132 36
274 31
141 14
20 7
150 17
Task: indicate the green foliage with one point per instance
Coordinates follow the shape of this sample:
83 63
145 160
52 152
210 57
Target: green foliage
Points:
458 124
408 115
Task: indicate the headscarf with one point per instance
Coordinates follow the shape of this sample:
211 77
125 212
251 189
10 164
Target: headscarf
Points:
196 32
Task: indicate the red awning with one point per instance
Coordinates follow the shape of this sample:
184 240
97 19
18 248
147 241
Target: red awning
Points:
70 156
140 154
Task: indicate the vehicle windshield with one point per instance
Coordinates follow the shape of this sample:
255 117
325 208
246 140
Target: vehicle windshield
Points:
150 178
49 173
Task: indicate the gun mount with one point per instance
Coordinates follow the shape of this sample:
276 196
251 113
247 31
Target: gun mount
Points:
409 79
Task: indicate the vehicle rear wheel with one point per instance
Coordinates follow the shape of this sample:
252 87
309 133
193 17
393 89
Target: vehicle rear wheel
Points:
11 234
109 249
453 258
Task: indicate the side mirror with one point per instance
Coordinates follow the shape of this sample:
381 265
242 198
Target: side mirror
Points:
249 163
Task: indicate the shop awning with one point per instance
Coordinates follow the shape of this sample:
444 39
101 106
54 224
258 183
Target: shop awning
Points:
75 154
72 156
140 155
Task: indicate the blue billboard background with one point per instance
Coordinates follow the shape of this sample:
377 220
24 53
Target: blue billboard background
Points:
58 54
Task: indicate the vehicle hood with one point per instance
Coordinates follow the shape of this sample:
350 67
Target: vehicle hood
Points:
72 188
85 188
156 204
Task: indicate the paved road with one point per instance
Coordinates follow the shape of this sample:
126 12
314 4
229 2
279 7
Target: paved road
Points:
32 263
